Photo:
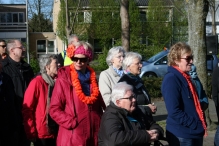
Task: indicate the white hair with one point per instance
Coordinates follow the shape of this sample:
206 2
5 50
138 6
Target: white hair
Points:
129 57
119 91
112 53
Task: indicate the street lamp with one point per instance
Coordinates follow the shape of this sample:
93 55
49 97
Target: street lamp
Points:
27 34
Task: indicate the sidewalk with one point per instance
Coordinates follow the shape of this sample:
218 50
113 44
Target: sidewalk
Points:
161 115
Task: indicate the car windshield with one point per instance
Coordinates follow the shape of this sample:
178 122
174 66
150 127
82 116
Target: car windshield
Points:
157 56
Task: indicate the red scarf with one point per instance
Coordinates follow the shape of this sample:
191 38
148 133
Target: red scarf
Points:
195 97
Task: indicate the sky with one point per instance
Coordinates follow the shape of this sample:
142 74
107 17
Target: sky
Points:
12 1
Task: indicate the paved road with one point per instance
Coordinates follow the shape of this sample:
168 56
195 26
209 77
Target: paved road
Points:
161 115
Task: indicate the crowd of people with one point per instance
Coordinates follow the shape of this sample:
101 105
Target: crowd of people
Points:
65 105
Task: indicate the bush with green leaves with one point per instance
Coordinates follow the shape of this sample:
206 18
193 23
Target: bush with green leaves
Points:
100 64
153 86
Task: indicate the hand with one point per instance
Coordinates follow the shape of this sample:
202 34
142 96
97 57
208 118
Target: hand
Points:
153 135
153 108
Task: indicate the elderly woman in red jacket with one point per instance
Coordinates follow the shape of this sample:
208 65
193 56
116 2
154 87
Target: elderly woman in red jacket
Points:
76 103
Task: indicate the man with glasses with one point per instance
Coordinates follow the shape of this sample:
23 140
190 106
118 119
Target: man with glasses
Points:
3 49
123 123
21 74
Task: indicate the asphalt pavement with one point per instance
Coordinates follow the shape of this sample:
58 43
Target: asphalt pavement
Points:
161 115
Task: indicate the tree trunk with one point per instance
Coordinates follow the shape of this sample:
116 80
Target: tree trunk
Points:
124 14
67 27
197 40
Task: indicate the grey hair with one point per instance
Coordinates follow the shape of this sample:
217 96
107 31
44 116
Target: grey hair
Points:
112 53
11 44
71 37
119 91
47 61
129 57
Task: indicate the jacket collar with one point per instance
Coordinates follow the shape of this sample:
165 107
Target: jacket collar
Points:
178 75
113 71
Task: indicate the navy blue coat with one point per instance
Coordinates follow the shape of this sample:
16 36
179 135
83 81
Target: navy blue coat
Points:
182 120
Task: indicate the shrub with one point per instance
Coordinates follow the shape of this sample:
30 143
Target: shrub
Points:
153 86
100 63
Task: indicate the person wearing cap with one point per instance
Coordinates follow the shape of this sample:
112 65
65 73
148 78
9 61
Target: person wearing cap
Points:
76 103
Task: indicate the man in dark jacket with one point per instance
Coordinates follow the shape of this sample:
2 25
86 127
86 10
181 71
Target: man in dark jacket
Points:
215 89
7 110
124 124
21 74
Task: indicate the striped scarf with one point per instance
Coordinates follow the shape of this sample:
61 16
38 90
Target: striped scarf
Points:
195 97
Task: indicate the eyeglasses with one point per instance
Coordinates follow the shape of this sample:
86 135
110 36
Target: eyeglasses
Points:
188 58
83 60
3 46
130 98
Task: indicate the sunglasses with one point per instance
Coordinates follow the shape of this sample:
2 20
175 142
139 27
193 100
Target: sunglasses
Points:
75 59
188 58
3 46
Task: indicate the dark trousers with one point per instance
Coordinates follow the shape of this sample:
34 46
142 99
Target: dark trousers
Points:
178 141
21 137
45 142
217 111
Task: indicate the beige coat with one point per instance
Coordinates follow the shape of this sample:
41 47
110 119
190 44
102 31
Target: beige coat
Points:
108 78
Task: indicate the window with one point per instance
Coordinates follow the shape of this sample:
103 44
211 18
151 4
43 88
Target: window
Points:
51 46
41 45
11 18
45 46
143 16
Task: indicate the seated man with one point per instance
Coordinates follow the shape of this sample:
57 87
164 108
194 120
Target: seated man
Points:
124 124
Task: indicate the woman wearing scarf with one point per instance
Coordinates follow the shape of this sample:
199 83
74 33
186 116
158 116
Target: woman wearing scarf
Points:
109 77
185 125
76 104
132 67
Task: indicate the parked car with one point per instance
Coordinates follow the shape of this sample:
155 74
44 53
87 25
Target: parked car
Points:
156 66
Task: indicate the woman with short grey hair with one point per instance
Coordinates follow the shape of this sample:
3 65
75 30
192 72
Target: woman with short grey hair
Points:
109 77
132 66
119 91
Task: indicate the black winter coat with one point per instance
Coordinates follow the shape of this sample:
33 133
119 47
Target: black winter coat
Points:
8 120
215 85
21 74
118 129
142 96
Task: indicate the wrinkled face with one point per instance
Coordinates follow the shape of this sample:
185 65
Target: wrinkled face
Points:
18 51
2 47
52 68
135 67
117 60
128 102
185 62
80 62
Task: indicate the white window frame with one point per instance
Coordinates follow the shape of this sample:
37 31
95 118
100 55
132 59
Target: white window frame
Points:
47 52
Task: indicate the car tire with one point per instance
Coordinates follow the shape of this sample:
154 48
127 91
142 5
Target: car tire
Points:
149 75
